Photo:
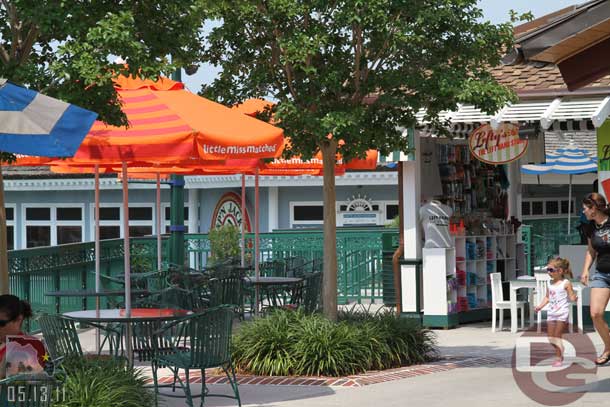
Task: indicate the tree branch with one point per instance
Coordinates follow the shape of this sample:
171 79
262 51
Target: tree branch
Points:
380 55
357 43
275 58
287 67
4 56
15 27
24 53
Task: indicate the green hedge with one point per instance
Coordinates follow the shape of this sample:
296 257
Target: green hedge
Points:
293 343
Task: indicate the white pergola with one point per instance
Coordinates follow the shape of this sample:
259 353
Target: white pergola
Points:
549 112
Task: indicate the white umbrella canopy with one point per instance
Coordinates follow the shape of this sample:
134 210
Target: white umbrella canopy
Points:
570 160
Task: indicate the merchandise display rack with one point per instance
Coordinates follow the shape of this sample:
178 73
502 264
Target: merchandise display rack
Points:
476 258
464 270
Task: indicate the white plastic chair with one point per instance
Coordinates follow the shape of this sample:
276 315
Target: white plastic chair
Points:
542 288
498 303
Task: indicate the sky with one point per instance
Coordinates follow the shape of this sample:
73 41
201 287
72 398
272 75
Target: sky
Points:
496 11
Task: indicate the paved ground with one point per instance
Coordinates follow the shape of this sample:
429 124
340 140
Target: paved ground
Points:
477 385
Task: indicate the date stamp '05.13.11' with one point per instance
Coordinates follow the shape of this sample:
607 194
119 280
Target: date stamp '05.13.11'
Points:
34 393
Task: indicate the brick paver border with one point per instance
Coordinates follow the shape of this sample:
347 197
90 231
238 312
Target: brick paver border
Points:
444 364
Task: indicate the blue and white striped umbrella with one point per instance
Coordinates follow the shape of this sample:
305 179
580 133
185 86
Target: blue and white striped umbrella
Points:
570 160
34 124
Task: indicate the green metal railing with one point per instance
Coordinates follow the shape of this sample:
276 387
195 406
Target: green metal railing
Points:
359 256
32 272
72 266
545 236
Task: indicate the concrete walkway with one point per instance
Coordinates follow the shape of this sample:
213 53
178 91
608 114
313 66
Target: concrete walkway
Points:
472 386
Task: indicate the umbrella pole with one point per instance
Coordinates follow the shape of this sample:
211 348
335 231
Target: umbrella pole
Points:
4 280
569 204
159 257
243 219
127 263
256 237
97 252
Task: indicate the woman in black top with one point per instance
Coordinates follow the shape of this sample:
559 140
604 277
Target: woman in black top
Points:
596 210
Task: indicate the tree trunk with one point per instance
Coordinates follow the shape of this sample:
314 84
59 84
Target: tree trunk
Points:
4 282
329 291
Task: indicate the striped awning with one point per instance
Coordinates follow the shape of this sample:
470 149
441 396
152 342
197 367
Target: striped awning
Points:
570 160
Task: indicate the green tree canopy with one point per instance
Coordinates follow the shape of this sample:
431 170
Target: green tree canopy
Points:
357 69
66 48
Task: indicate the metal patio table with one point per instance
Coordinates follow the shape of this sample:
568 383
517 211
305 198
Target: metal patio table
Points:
275 288
97 318
94 294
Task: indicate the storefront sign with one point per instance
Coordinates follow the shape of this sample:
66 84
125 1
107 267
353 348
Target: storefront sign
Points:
228 212
499 146
358 218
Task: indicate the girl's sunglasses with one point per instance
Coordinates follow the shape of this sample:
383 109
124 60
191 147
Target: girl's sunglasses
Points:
551 270
5 322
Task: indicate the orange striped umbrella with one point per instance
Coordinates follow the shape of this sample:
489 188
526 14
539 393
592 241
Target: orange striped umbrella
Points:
168 124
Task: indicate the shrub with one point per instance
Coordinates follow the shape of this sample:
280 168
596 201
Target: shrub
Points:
102 383
294 343
323 348
141 259
224 243
404 341
263 347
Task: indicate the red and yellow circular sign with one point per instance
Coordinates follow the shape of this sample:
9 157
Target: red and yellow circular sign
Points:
500 146
228 212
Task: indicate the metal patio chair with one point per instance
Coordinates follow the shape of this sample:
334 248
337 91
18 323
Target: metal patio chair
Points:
227 290
209 336
312 292
61 338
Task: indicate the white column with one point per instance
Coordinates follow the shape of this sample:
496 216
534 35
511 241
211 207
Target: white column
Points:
193 208
515 193
514 190
412 231
193 222
273 208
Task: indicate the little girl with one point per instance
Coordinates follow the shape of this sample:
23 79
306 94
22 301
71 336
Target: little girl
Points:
559 291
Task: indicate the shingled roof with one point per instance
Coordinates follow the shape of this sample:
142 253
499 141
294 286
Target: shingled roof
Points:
526 75
531 76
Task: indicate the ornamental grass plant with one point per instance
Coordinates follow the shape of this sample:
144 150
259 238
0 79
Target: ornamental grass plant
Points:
286 343
102 383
